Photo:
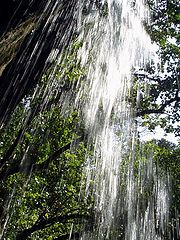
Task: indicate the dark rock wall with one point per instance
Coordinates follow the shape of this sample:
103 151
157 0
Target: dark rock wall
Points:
15 12
54 28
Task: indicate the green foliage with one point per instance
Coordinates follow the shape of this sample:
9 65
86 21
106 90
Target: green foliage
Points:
166 17
155 93
47 194
167 156
54 185
42 149
8 133
42 157
68 71
150 162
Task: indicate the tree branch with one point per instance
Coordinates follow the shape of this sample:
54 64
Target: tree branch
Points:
23 235
11 149
45 164
9 171
162 107
15 168
18 138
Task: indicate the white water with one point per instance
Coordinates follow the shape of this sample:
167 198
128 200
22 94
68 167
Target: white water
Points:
113 45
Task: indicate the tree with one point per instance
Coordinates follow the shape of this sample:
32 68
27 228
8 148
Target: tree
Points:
49 158
45 149
167 156
155 190
156 89
51 200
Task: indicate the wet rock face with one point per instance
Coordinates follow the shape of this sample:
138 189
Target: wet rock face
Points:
7 9
11 41
50 29
17 20
14 12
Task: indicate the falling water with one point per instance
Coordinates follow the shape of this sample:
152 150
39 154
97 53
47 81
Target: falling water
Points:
114 44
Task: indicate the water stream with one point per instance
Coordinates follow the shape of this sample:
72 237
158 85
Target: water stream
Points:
114 43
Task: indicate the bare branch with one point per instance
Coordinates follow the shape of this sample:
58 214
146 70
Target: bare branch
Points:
161 109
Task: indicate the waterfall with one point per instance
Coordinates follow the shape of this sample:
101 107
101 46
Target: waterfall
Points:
130 193
114 43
